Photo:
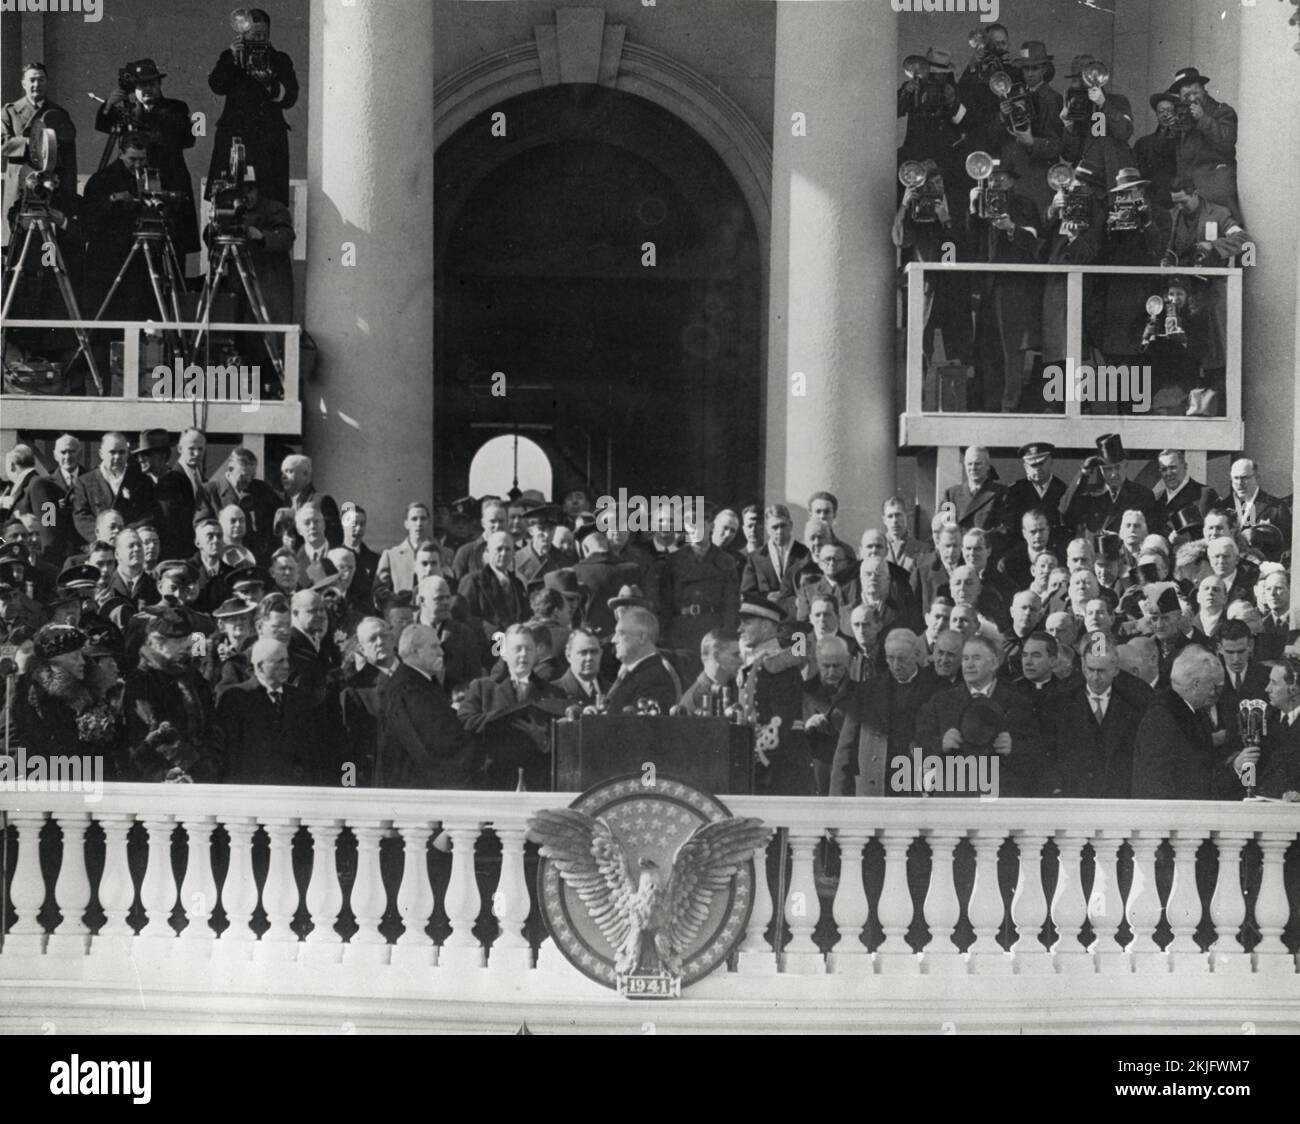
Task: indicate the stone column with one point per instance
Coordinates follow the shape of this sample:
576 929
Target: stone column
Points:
832 275
1268 143
368 414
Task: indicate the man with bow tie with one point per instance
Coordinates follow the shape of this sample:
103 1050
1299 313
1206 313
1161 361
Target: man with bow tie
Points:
270 725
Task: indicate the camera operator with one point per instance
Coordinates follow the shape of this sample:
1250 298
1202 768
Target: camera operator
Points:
259 84
1137 233
1033 150
936 117
35 110
922 225
111 206
268 227
1009 323
138 107
37 295
1156 154
990 48
1085 98
1207 145
1077 218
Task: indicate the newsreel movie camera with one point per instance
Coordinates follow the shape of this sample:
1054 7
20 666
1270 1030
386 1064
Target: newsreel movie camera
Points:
1078 106
994 198
924 204
39 241
229 256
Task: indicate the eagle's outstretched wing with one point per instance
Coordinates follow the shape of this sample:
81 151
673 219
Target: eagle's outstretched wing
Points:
703 865
591 859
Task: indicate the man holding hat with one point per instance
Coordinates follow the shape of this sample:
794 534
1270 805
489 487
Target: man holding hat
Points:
1103 492
137 106
1207 148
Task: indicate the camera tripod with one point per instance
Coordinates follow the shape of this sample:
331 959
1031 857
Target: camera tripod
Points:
153 242
40 231
234 252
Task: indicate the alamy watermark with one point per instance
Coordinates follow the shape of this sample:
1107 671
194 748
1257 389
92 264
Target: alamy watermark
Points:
36 772
987 9
92 11
229 384
653 513
1103 384
923 773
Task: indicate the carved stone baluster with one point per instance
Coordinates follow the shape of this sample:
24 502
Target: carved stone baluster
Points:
116 890
895 957
279 894
415 895
324 894
1143 910
986 909
850 909
1106 906
72 889
462 949
158 890
942 909
1271 910
510 905
198 890
238 892
368 900
1029 907
1068 907
803 909
1183 909
755 957
27 891
1228 905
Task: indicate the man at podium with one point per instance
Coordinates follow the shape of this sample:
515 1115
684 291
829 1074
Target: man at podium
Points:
642 674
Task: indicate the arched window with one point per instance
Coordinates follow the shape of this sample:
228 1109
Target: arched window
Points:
507 462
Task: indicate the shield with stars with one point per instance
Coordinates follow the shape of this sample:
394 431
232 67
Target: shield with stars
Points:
616 873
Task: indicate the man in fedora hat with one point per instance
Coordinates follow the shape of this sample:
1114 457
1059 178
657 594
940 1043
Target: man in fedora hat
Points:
1103 142
1207 149
1009 324
152 453
936 117
1103 492
137 106
1137 234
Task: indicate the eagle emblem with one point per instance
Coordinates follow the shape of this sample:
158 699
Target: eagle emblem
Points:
645 885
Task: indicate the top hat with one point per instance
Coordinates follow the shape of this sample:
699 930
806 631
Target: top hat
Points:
1032 53
1036 451
1189 74
142 70
1265 539
1127 178
153 441
1110 548
755 605
980 723
1111 448
940 60
629 596
1187 520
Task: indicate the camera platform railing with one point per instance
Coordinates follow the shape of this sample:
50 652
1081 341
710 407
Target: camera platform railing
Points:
145 403
1074 428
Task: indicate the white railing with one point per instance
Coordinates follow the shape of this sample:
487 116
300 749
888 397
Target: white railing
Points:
1159 976
137 407
920 427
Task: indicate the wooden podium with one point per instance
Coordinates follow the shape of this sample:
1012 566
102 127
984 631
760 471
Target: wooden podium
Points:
711 754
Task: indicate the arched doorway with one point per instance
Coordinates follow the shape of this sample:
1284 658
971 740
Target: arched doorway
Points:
504 464
628 375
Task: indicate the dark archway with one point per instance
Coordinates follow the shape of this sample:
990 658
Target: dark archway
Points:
629 376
